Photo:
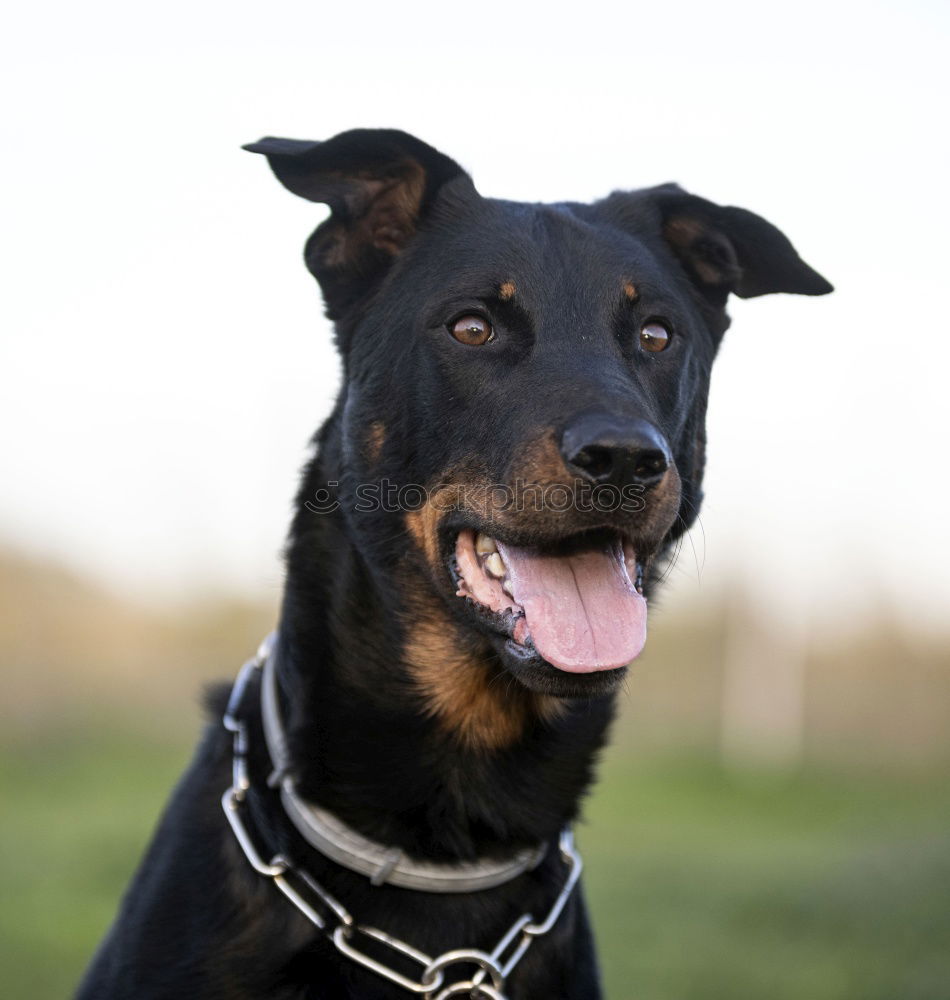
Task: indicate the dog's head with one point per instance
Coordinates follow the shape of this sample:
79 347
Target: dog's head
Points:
522 420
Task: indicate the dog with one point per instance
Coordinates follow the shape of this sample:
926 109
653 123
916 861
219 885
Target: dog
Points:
517 445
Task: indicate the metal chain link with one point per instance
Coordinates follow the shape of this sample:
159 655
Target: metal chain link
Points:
331 917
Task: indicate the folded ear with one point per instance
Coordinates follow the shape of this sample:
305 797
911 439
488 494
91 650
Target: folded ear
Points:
722 249
378 184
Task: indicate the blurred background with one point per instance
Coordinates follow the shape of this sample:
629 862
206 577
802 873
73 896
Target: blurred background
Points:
773 817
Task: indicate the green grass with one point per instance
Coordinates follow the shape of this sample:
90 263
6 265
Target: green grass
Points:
76 817
702 885
707 886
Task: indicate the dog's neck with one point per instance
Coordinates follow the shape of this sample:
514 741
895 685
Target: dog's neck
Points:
413 752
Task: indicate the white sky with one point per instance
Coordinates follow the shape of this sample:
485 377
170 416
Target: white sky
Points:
164 353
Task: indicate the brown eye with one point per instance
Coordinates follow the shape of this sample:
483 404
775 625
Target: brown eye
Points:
654 337
472 330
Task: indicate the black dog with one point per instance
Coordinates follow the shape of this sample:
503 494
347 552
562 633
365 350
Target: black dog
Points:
518 442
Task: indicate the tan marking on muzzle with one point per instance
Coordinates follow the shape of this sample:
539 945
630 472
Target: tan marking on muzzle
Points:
461 488
541 461
545 495
423 525
663 502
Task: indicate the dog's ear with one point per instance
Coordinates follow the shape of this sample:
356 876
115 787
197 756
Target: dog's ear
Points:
730 249
721 248
378 183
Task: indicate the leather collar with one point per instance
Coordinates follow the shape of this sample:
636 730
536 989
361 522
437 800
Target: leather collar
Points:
332 837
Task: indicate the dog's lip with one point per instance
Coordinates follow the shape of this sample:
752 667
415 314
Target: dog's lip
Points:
501 622
546 541
532 670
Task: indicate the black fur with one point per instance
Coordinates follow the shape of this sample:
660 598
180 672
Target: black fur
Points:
410 245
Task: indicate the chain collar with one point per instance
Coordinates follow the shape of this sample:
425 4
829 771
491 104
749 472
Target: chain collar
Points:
331 917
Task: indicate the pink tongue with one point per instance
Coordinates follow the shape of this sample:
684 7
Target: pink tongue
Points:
582 611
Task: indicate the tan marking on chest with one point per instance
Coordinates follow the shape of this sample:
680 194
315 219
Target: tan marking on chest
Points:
475 701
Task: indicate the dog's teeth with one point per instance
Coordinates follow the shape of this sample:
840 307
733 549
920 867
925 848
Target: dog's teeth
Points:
496 565
506 587
485 544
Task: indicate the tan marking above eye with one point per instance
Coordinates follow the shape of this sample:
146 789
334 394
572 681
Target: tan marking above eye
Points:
654 337
472 330
630 291
506 291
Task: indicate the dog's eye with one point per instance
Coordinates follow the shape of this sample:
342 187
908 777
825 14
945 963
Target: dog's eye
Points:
472 330
654 337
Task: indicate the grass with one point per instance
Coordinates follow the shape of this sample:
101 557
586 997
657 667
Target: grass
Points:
77 816
815 888
703 885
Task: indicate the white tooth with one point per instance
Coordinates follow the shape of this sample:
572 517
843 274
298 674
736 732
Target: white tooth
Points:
506 587
484 544
495 565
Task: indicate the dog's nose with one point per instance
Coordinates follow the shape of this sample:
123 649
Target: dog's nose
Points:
603 449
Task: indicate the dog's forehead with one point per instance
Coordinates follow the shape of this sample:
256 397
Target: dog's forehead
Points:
526 250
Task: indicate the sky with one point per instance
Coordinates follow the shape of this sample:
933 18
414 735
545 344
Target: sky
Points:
164 354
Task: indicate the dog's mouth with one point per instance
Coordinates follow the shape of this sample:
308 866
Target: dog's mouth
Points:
577 604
